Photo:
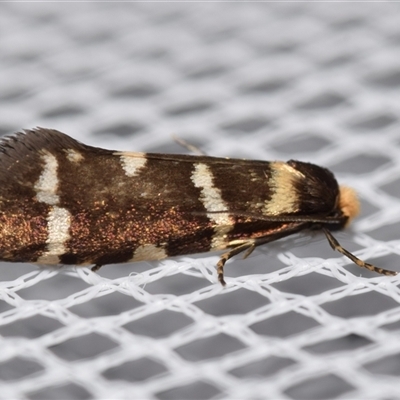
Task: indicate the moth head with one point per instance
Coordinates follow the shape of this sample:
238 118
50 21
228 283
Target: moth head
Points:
348 203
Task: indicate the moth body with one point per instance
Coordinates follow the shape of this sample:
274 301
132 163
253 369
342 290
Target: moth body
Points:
63 202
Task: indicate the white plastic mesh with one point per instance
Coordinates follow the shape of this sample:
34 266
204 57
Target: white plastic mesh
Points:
312 81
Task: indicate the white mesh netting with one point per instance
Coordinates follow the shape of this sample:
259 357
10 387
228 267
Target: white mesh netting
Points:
312 81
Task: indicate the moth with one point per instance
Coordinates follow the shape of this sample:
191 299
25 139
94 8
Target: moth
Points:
63 202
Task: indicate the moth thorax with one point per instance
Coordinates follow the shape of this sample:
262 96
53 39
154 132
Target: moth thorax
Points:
348 203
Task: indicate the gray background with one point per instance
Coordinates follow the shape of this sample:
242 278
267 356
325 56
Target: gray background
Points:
312 81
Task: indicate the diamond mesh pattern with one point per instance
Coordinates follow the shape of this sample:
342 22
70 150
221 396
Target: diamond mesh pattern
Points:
312 81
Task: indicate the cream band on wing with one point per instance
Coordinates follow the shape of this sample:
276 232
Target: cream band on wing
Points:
58 219
131 163
284 199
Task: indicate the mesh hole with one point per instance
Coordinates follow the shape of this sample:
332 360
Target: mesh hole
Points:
134 371
208 348
284 325
86 346
325 387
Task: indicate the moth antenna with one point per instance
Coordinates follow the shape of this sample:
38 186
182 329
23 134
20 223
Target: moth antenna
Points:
249 251
278 218
336 246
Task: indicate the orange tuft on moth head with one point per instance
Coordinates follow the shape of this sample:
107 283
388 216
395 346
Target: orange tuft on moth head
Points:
349 203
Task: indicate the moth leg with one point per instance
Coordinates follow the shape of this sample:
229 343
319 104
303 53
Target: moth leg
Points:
231 253
188 146
248 246
96 267
336 246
